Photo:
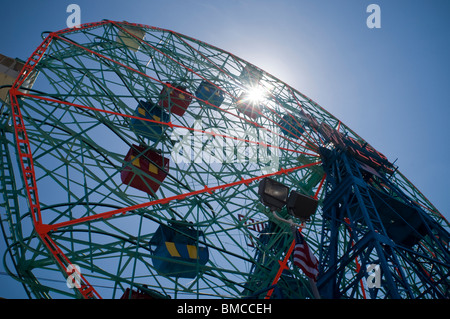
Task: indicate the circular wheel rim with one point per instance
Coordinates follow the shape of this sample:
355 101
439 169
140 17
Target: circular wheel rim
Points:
77 118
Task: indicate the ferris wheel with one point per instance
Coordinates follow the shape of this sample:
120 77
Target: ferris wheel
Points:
144 163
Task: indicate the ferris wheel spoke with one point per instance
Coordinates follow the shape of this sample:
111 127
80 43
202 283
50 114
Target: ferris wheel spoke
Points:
297 133
142 74
206 189
169 124
84 287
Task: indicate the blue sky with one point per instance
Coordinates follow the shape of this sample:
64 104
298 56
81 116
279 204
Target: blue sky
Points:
390 85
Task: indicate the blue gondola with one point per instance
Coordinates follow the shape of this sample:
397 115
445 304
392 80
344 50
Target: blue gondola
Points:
291 126
178 251
210 93
151 111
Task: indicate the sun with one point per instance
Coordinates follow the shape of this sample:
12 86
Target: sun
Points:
255 94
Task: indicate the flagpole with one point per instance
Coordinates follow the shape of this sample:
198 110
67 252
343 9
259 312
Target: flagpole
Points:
314 289
312 282
283 266
286 258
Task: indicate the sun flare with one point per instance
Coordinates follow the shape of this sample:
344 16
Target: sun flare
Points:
255 94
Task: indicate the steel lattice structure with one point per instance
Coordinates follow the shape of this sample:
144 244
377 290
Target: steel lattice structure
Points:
100 166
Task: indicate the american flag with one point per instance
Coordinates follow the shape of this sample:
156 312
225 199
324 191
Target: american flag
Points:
304 258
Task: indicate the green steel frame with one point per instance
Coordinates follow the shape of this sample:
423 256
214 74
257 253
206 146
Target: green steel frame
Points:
63 147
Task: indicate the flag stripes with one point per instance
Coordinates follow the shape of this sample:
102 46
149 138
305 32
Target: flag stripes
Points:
304 257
